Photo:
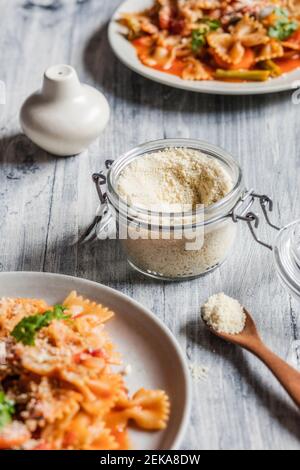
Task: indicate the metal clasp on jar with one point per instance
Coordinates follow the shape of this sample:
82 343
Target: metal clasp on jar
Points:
241 212
103 217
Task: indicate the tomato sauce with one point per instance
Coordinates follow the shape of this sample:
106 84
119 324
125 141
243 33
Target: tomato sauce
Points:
176 69
287 65
143 50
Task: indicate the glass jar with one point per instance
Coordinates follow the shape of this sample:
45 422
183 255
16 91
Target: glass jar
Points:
162 249
287 257
166 257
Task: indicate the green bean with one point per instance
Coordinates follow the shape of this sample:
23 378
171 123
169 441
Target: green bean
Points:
275 70
253 75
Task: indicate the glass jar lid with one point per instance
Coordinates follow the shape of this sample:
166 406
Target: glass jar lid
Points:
287 257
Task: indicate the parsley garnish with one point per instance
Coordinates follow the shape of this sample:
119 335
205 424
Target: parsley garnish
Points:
198 39
27 328
199 35
281 12
283 27
7 409
212 24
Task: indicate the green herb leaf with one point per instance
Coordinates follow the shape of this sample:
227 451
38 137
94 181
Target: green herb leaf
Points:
212 24
283 28
28 327
199 35
281 12
198 39
7 410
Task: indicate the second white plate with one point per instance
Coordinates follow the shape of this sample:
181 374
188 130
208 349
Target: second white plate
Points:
127 54
144 341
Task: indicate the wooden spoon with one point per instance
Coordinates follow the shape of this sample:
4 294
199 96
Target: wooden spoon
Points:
249 339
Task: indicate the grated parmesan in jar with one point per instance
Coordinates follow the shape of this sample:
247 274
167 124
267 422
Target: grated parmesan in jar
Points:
180 178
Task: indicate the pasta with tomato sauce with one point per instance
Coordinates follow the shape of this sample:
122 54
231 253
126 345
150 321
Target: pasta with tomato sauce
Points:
233 40
59 389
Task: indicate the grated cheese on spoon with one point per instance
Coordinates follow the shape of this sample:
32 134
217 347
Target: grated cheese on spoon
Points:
224 314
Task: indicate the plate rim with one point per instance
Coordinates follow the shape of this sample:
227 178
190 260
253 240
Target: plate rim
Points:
164 78
152 317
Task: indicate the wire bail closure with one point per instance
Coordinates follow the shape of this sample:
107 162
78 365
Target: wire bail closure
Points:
252 219
101 220
240 212
100 179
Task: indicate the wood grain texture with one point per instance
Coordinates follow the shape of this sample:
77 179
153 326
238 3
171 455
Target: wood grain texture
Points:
46 202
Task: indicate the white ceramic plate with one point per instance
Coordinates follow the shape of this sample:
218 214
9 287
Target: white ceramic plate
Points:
127 54
145 343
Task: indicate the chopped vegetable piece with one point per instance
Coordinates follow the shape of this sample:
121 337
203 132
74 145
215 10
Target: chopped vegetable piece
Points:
253 75
281 12
198 39
27 328
275 70
283 27
6 410
199 35
212 24
293 41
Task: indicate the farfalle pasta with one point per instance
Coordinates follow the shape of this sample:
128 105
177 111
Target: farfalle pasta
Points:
59 387
218 39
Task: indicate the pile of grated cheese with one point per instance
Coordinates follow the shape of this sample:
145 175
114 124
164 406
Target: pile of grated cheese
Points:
224 314
174 176
176 180
199 372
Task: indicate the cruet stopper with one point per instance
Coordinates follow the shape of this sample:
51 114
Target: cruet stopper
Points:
65 116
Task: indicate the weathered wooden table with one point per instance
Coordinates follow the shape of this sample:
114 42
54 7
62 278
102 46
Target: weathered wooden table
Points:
45 203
